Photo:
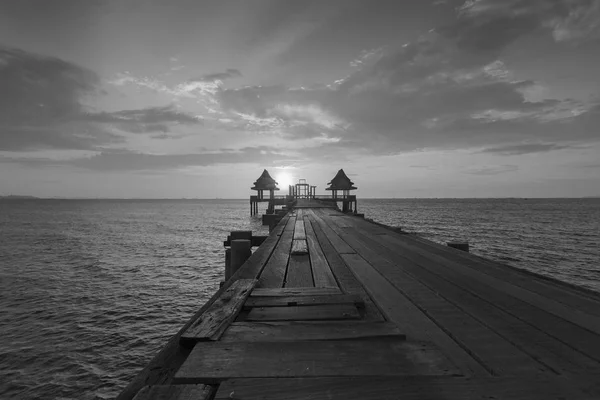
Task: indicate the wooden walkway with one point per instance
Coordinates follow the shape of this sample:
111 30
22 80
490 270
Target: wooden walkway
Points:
331 306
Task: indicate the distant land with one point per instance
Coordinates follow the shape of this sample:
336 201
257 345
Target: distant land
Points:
12 196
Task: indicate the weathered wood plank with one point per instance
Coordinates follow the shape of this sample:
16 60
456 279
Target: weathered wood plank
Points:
215 361
325 312
299 232
347 281
402 388
306 291
273 274
284 301
556 355
409 318
580 300
299 273
309 330
167 361
279 228
322 274
503 295
253 267
586 320
299 247
175 392
340 246
213 322
291 223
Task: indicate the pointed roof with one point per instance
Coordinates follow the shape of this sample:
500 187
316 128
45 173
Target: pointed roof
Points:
341 182
265 182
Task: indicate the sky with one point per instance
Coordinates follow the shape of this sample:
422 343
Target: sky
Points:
194 98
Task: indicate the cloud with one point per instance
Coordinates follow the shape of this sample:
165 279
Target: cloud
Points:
218 76
42 101
148 120
491 170
491 24
527 148
449 89
123 160
42 106
38 90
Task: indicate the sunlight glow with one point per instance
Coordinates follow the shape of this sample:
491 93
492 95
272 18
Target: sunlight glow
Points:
284 179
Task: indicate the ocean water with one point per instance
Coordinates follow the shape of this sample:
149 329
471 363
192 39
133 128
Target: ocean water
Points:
90 290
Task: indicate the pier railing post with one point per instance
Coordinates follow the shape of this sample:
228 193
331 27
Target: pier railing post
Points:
241 250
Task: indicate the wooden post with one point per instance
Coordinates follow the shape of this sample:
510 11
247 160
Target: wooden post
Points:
227 264
234 235
464 246
241 250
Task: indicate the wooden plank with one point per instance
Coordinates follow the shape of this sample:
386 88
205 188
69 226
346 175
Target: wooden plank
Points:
587 320
299 232
161 369
216 361
253 267
325 312
273 273
498 355
175 392
556 355
347 281
284 301
309 330
306 291
409 318
580 335
299 273
581 300
322 274
450 285
291 224
299 247
403 388
336 241
279 228
213 322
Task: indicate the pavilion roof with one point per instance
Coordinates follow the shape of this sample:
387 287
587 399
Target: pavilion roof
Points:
341 182
265 182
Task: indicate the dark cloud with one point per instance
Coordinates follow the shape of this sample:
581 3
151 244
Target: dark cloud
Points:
42 107
218 76
41 104
527 148
489 25
38 90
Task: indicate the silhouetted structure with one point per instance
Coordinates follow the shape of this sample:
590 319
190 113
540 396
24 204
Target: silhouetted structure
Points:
302 190
341 182
264 182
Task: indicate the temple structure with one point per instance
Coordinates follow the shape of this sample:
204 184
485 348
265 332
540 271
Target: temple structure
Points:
263 183
341 182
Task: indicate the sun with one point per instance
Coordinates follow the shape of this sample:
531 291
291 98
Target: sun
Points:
284 179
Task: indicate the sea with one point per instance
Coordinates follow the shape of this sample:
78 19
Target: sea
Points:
90 290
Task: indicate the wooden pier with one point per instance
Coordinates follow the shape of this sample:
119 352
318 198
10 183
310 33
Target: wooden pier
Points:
331 306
